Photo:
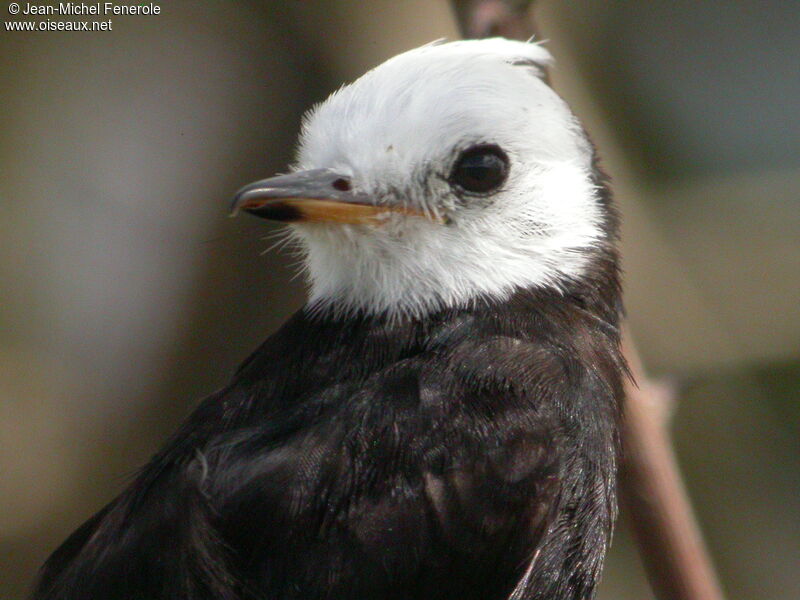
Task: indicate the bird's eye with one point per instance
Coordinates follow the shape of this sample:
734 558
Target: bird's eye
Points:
480 169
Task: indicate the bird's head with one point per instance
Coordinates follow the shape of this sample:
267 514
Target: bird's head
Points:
449 174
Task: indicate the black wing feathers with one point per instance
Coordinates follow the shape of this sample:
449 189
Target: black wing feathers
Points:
374 460
160 543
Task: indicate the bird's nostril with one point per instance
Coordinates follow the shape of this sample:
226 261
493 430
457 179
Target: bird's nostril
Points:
341 184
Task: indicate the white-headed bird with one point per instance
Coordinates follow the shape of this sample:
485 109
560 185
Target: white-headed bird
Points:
440 420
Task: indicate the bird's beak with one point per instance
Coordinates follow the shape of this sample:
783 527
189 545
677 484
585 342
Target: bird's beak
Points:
313 196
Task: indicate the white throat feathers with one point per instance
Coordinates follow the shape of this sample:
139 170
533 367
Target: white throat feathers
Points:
400 132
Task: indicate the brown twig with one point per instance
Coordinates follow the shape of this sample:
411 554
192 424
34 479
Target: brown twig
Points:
672 547
669 539
490 18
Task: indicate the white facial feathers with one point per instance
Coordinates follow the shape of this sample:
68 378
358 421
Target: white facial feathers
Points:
398 131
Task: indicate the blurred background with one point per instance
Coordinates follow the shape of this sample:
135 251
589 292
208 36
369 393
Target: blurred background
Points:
126 294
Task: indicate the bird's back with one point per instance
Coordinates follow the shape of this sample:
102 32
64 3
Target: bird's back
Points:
449 457
445 426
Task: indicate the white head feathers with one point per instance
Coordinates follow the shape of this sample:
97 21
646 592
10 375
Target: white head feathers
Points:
397 133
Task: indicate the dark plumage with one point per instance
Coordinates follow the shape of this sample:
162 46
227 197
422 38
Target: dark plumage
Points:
360 459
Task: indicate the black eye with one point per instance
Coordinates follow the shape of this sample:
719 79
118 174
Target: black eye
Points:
480 169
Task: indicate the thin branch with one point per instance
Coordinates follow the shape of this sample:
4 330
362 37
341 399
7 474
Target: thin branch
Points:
669 539
490 18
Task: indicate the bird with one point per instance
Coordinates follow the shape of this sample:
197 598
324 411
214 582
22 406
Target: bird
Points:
441 419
